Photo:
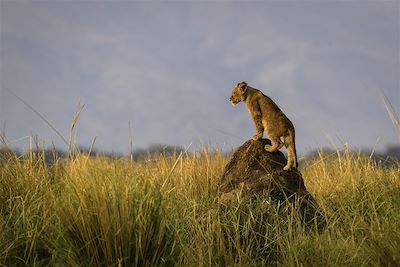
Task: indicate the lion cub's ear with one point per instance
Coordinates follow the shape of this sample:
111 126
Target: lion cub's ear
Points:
243 87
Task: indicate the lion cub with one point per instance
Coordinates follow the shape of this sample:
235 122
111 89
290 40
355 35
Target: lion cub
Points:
267 116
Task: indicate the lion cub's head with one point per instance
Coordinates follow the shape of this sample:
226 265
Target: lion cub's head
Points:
238 93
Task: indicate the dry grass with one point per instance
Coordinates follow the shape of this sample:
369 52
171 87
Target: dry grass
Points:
102 212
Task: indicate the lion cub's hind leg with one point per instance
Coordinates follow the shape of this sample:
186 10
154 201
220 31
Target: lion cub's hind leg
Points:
276 144
291 154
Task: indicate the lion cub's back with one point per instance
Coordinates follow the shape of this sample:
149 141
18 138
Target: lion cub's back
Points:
273 118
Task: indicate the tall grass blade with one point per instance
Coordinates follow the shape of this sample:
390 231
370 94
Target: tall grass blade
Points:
392 113
38 114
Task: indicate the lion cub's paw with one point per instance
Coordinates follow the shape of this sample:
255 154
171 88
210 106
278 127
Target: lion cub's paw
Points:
257 137
287 168
268 147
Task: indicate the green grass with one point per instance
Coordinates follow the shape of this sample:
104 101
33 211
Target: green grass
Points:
111 212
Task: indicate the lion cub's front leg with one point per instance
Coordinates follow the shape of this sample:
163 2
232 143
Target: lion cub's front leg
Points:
256 114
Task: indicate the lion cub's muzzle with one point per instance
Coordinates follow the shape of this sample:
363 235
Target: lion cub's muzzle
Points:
233 102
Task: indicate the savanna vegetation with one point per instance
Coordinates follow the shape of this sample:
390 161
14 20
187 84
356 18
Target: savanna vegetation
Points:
97 211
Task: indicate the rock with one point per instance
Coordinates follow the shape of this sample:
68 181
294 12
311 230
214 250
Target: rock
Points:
252 171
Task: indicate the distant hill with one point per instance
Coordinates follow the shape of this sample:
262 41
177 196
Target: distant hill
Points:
51 155
388 157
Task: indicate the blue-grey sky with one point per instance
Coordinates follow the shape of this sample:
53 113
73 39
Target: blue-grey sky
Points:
168 68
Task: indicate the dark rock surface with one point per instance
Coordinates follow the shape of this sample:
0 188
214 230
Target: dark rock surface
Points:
252 171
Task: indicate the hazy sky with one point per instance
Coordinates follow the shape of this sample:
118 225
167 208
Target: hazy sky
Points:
168 68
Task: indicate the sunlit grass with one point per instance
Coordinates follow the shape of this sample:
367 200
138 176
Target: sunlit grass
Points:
85 211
